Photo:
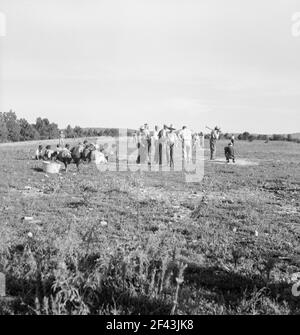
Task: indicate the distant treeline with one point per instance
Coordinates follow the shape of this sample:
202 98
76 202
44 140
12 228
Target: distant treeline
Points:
13 129
246 136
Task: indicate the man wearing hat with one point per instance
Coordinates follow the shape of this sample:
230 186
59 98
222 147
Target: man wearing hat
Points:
171 142
141 145
214 136
162 137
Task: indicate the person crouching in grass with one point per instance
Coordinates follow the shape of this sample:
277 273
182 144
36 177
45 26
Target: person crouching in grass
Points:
229 152
48 153
39 152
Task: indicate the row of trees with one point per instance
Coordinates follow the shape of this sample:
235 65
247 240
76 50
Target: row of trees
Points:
90 132
246 136
13 129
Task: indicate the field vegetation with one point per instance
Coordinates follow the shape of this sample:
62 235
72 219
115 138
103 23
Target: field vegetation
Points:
94 242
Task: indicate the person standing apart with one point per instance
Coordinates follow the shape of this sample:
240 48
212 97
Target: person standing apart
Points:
232 139
186 137
214 136
61 139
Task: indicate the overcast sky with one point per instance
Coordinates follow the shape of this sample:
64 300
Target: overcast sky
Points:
121 63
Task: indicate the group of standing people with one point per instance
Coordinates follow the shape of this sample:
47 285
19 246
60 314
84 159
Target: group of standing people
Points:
163 142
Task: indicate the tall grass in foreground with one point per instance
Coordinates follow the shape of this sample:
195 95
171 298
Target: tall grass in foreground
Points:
71 280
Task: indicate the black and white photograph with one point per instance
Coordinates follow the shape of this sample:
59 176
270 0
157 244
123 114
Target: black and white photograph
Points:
149 160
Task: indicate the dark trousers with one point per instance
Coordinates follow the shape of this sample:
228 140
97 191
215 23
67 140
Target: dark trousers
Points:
156 155
171 148
142 154
138 160
229 154
162 150
149 146
212 149
149 150
160 153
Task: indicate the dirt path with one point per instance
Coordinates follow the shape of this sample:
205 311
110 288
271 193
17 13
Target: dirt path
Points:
239 162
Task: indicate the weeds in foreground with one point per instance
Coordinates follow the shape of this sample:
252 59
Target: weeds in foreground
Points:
68 281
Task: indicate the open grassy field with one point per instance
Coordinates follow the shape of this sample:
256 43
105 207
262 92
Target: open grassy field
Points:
149 243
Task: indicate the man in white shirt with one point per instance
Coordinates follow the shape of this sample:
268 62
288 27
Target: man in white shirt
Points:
155 144
186 137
